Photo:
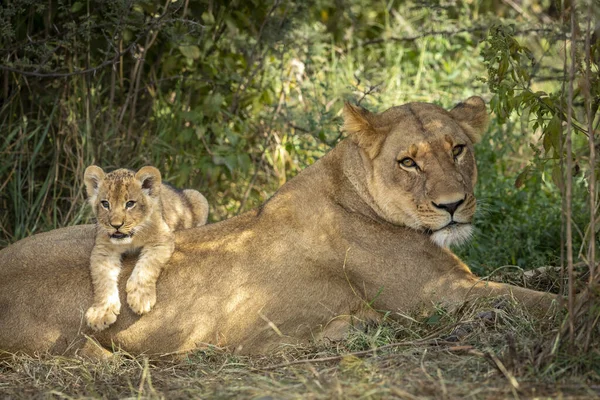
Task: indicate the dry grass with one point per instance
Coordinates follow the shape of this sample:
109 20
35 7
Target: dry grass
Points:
417 372
488 349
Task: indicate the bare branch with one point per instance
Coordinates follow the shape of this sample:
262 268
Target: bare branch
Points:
114 60
592 147
372 89
569 182
449 33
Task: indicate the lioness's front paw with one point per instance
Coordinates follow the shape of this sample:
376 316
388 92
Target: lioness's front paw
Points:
141 298
101 316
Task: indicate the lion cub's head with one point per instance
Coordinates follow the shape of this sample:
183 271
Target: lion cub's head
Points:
122 200
420 164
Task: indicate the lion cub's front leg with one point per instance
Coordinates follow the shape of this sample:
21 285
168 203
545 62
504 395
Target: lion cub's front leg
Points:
141 285
105 266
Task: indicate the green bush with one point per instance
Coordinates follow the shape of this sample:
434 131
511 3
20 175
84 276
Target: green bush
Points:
516 226
237 97
231 98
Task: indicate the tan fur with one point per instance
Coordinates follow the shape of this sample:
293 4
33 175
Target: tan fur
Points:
134 211
349 235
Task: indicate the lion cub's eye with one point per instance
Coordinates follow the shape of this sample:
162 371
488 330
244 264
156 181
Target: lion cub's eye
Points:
457 150
130 204
408 162
105 204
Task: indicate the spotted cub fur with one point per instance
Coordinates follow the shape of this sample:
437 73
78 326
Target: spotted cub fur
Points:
134 211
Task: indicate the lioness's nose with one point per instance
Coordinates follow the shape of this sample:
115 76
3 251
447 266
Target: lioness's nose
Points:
116 225
450 207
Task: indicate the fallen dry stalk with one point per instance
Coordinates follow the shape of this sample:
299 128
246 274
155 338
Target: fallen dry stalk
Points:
361 353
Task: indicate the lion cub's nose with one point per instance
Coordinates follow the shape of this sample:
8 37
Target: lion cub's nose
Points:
450 207
116 225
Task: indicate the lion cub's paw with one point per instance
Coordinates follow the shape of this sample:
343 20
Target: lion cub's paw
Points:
101 316
140 297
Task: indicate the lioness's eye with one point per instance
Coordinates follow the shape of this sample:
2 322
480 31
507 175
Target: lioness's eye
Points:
105 204
457 150
408 162
130 204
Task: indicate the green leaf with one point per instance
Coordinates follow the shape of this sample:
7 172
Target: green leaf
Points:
552 135
557 177
227 161
76 7
169 64
200 131
502 68
184 170
522 177
212 105
243 162
208 18
190 51
434 319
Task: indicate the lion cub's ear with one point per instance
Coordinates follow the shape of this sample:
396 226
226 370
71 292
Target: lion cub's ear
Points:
150 179
472 116
359 124
92 177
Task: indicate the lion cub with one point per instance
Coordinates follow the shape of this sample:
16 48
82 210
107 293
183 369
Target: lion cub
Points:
134 210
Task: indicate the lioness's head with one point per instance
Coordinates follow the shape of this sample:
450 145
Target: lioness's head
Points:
122 200
420 164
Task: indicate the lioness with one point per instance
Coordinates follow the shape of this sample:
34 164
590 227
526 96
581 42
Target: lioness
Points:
134 211
361 230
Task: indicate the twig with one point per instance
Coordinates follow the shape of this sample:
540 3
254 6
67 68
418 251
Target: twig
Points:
250 73
68 74
372 89
91 70
592 163
561 146
448 33
518 9
569 184
265 146
296 127
591 137
113 70
507 374
136 74
355 354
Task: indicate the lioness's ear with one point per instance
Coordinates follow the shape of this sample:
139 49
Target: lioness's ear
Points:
150 179
472 116
358 123
92 177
